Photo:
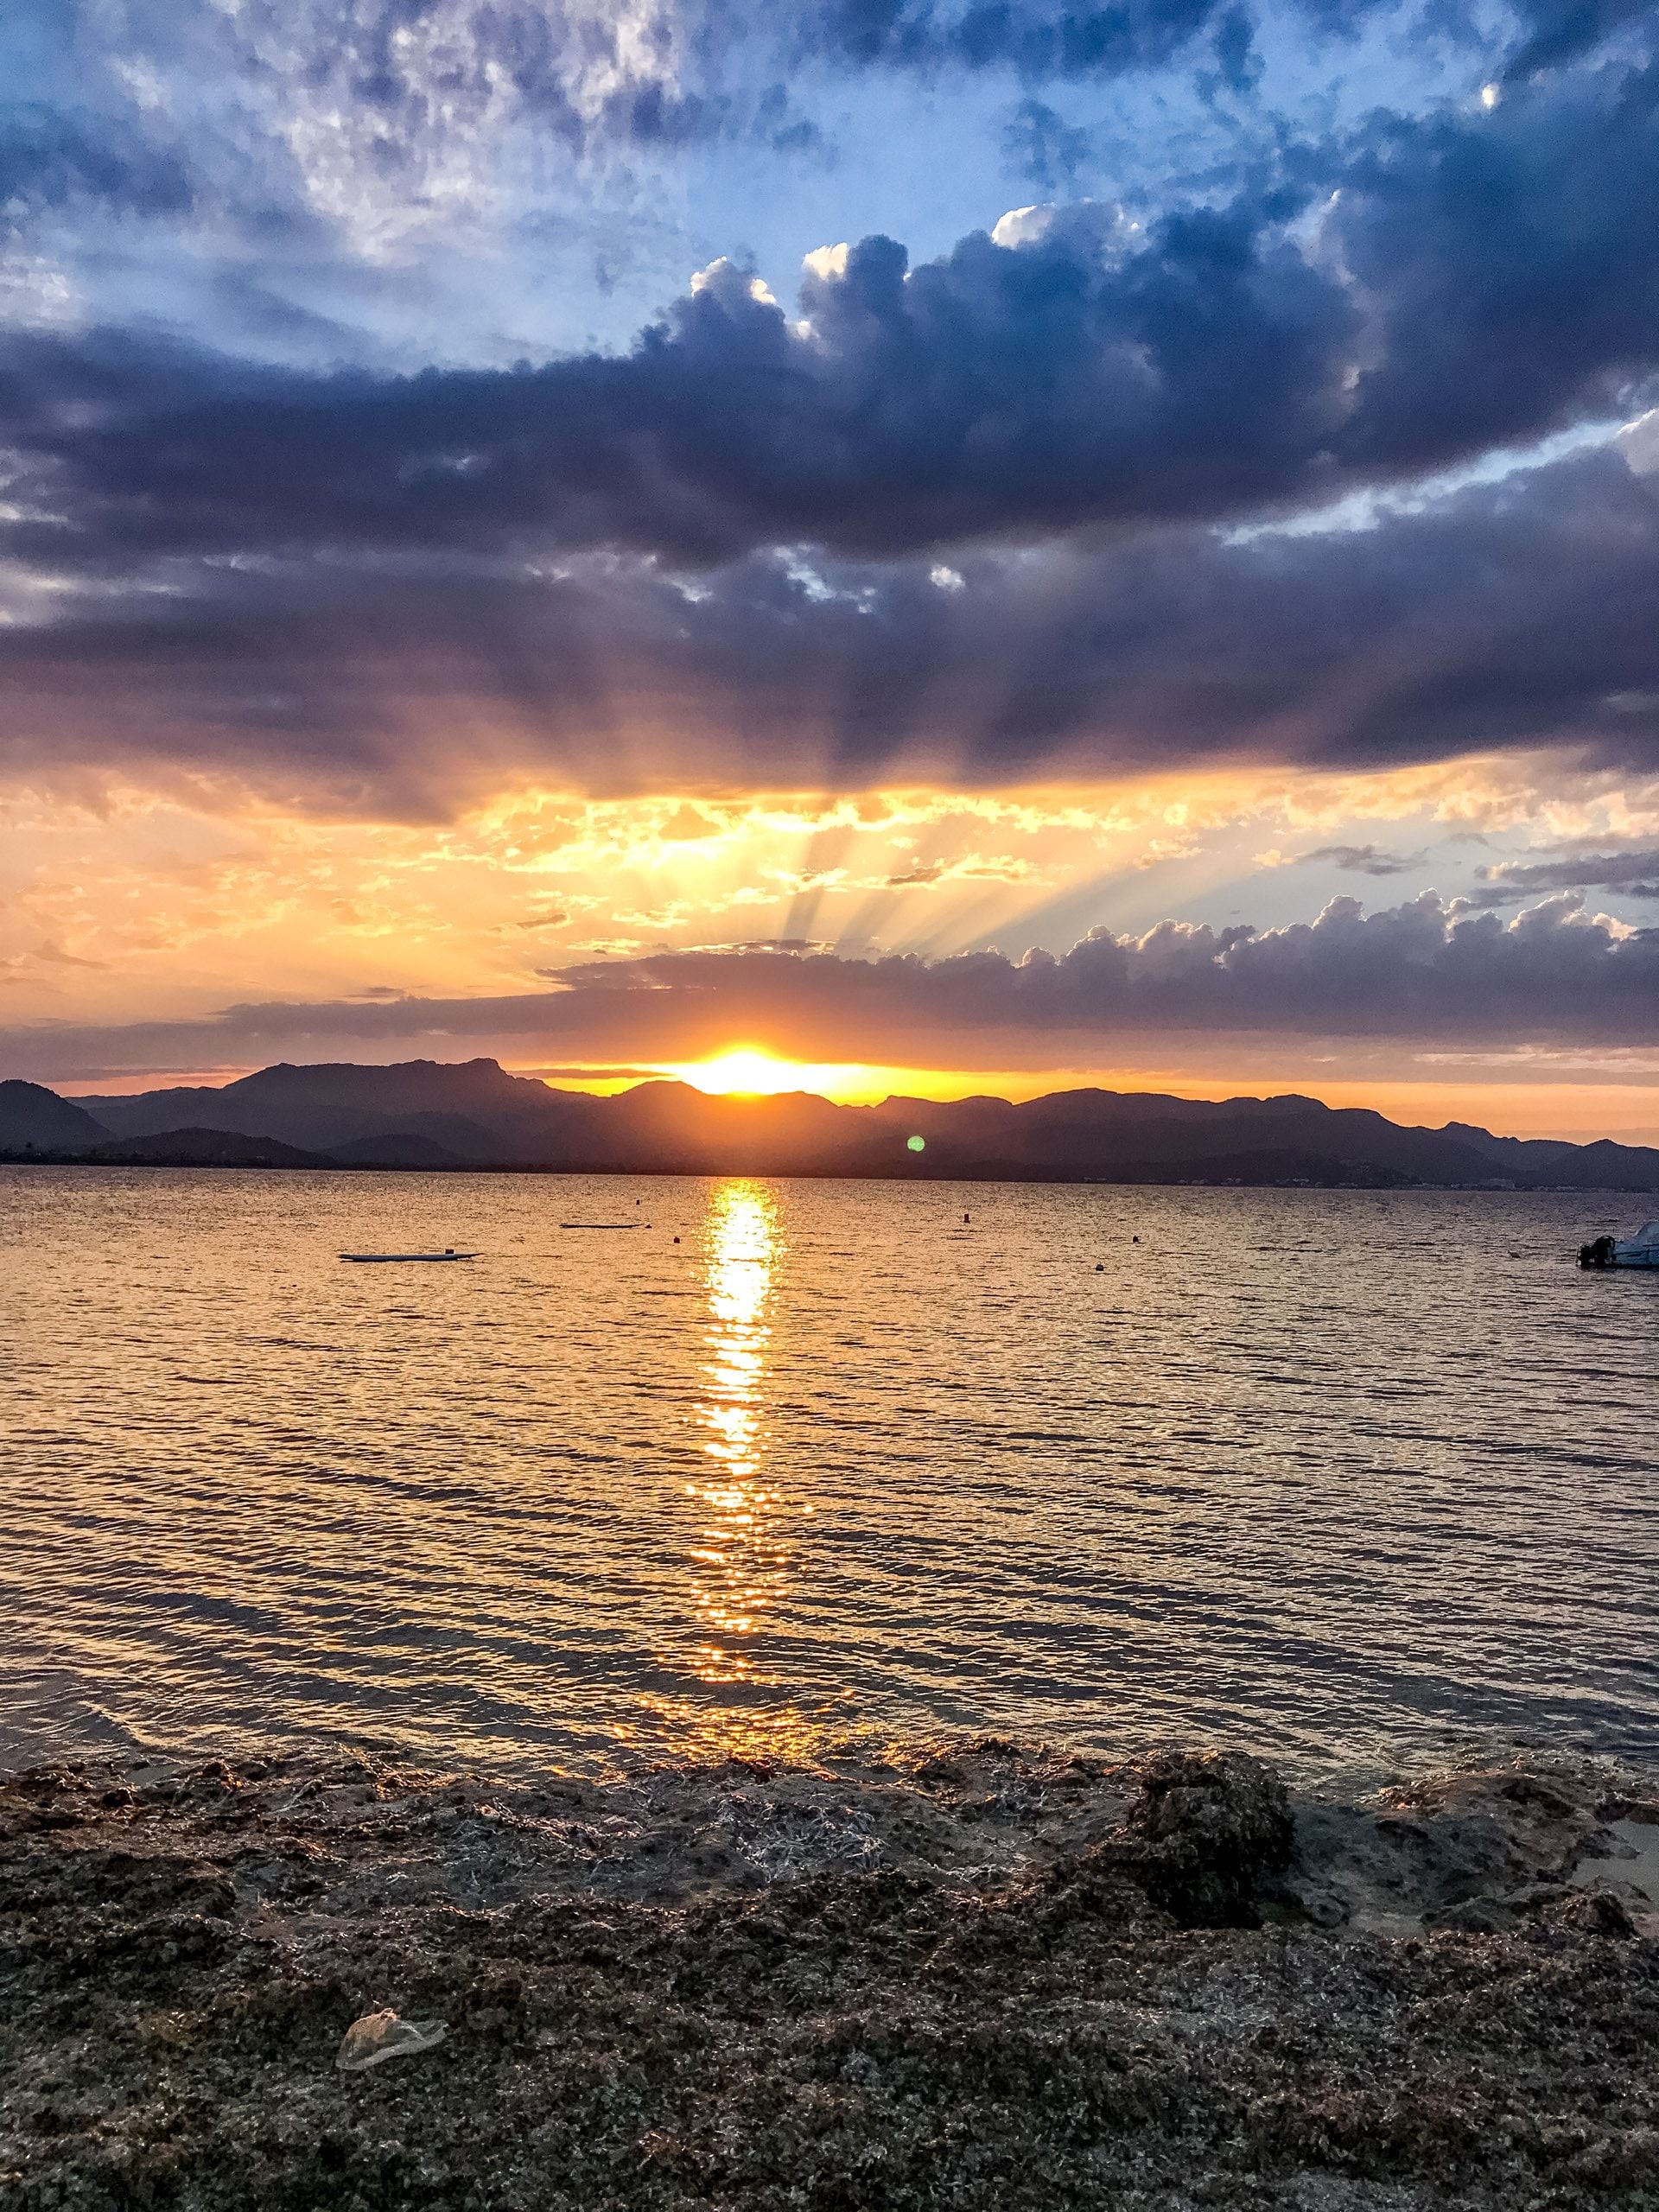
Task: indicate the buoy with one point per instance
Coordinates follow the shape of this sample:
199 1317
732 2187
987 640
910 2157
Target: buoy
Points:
1100 1266
1134 1240
967 1216
676 1240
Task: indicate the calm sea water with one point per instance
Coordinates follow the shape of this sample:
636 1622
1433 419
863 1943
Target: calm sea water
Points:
1346 1478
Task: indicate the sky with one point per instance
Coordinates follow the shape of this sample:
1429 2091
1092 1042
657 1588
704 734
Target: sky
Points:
966 544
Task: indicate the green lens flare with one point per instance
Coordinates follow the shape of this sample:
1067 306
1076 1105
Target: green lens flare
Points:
916 1144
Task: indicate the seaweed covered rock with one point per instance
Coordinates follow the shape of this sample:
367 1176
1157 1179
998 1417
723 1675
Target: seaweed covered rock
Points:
1206 1834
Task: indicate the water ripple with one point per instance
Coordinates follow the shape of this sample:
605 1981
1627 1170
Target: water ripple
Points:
1308 1471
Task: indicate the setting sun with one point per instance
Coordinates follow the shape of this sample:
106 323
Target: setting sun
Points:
748 1070
751 1072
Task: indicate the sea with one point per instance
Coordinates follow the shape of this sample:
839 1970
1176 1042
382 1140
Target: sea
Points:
688 1468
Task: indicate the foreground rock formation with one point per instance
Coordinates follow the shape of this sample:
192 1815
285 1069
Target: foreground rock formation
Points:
982 1978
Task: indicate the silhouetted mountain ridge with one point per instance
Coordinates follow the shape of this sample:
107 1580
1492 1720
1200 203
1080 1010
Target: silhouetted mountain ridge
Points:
32 1114
428 1113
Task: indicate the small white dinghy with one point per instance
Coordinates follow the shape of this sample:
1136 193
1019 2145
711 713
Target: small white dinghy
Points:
1641 1250
404 1259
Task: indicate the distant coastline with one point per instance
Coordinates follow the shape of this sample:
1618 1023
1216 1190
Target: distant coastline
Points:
425 1117
1126 1178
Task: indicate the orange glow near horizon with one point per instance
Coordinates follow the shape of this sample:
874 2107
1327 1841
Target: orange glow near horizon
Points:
751 1072
1579 1111
168 907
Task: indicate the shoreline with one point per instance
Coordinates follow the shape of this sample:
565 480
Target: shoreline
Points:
970 1976
1379 1184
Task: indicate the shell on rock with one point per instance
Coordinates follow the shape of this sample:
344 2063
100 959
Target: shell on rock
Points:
379 2036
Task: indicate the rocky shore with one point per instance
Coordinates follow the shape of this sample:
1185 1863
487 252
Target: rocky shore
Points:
978 1977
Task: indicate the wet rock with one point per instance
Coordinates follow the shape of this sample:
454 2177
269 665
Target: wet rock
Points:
1592 1912
1207 1834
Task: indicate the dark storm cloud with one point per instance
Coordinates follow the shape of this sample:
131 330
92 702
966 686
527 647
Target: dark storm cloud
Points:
1419 973
1474 283
1514 615
1556 31
1634 874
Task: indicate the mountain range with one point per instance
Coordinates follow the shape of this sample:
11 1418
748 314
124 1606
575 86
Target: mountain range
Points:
433 1114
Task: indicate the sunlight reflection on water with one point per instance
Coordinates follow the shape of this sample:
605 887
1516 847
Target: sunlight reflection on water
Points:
742 1554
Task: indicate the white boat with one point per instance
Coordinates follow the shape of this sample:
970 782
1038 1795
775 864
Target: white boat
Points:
402 1259
1641 1250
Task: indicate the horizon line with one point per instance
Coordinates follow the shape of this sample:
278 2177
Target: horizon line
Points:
606 1084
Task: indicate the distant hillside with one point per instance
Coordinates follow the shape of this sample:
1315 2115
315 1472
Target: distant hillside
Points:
475 1102
34 1119
201 1148
426 1114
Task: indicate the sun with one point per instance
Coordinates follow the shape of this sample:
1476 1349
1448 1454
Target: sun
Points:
751 1072
747 1070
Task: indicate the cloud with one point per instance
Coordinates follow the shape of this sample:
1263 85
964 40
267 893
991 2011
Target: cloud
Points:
1510 616
966 868
386 85
366 98
1360 860
50 158
1634 874
1060 40
586 1072
1038 39
1042 146
1556 31
382 120
968 516
1423 973
1438 287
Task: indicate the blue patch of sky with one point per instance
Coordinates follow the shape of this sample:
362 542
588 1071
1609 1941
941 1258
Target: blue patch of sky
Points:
323 225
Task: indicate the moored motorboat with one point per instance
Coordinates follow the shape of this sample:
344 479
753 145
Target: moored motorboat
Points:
1641 1250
